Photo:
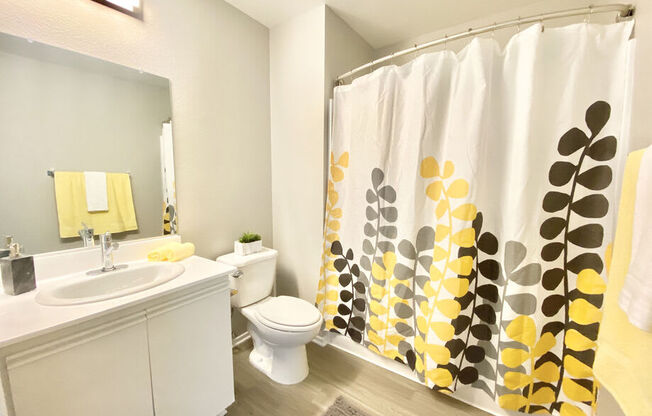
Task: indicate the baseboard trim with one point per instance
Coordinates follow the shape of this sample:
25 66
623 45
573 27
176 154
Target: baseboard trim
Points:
240 339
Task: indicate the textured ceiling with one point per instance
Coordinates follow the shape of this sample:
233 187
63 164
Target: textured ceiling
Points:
382 22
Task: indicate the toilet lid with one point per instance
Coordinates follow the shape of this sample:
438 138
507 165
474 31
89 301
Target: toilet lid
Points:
289 311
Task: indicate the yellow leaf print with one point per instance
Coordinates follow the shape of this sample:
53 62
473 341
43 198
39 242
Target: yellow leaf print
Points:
331 309
434 190
377 272
443 330
435 273
515 380
337 174
575 391
584 313
577 342
523 330
548 372
456 286
376 324
441 232
377 291
513 357
429 167
334 225
590 282
329 324
545 343
462 265
440 376
391 354
465 238
543 395
332 295
424 307
512 401
377 308
442 208
449 169
576 368
422 324
458 189
465 212
336 213
395 339
449 308
568 409
439 254
332 280
374 338
419 344
428 290
439 354
344 160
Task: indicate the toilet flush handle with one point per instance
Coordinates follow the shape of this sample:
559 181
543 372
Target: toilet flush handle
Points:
236 274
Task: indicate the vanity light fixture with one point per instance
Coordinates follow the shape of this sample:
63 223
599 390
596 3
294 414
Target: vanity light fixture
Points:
133 8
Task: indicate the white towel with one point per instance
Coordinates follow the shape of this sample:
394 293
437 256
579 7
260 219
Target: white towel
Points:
636 295
96 196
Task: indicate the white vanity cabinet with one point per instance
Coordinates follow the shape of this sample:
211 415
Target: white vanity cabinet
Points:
190 356
101 372
166 357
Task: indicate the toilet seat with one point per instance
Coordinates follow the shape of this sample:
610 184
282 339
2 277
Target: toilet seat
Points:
288 314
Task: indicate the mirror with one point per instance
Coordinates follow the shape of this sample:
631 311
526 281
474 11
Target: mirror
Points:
81 141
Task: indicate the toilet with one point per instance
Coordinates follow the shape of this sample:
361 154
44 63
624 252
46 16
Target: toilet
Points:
280 326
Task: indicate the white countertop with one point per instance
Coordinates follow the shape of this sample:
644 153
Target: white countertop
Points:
21 318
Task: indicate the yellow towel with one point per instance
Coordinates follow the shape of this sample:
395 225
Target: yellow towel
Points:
172 251
622 362
70 192
178 252
159 254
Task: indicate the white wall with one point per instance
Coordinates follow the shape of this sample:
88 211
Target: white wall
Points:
217 60
297 50
306 53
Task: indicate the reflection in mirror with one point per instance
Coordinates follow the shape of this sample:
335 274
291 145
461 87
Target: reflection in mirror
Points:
84 145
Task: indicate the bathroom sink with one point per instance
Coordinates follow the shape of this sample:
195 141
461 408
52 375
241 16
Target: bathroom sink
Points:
84 288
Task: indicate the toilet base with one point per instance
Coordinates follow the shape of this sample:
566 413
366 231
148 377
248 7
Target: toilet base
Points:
284 365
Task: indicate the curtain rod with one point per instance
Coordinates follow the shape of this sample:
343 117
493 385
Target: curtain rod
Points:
624 10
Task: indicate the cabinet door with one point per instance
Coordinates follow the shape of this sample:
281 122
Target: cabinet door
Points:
190 355
101 372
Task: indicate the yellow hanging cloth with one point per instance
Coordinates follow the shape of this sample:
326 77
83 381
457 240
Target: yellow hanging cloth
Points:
622 363
70 192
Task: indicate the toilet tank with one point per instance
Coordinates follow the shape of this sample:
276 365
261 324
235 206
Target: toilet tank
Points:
254 280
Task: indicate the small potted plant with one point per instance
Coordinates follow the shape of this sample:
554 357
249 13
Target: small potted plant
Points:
249 243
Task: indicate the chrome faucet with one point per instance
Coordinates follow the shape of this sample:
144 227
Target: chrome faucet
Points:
86 235
108 246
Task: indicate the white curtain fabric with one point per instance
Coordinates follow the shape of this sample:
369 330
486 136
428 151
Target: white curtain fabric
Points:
470 208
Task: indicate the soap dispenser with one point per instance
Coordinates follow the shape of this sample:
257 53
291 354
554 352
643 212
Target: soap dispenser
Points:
17 272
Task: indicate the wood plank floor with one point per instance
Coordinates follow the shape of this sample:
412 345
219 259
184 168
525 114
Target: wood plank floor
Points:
335 373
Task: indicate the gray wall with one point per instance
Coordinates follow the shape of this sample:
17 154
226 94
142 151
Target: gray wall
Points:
217 60
57 113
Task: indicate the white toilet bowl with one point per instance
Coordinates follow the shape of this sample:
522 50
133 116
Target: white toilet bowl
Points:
280 328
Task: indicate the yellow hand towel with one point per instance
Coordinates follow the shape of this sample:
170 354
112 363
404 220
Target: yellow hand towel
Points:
178 252
622 361
159 254
70 192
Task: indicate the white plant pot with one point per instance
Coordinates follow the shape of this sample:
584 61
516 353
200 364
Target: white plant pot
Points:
243 249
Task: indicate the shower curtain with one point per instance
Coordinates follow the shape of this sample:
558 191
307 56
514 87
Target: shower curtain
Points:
470 212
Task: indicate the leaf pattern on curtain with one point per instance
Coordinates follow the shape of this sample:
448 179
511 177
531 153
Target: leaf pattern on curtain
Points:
460 307
327 292
572 250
